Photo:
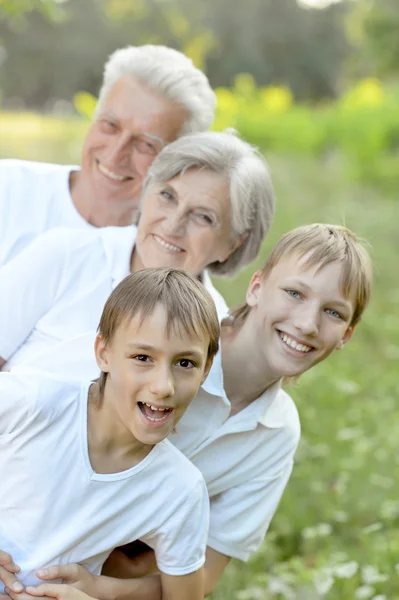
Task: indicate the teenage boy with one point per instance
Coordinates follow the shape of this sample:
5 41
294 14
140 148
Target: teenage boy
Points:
85 467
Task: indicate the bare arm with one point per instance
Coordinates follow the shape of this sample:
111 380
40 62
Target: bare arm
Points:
127 578
184 587
214 566
120 565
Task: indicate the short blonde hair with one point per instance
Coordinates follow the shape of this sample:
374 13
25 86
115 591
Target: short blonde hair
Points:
324 244
251 191
188 305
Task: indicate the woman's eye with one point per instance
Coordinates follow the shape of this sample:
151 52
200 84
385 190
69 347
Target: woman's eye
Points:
166 195
293 293
204 218
185 363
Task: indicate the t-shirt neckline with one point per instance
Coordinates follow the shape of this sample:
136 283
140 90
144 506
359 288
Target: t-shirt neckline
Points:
93 475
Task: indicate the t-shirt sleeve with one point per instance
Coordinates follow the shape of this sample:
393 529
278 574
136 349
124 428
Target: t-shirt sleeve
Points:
17 401
240 516
181 543
28 287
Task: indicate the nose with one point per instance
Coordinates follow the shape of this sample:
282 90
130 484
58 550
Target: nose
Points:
307 320
162 384
174 224
119 152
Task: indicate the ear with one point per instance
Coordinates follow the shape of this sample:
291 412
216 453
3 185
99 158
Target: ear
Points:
101 353
347 336
208 366
254 289
236 243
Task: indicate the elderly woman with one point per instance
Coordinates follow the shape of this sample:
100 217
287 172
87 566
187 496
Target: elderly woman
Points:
207 205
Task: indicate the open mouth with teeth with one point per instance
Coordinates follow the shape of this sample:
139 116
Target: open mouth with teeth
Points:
171 248
111 174
156 415
293 344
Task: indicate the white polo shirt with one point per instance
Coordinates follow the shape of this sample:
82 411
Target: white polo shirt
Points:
55 290
56 509
246 460
34 197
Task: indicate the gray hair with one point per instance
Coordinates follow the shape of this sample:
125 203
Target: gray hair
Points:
170 73
250 187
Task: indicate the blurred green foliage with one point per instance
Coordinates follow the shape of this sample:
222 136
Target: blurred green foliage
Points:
362 126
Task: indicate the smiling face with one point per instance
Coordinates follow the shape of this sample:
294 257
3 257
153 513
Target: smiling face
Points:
185 223
298 315
151 376
131 128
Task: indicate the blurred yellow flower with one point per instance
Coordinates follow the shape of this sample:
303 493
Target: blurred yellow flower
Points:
276 99
85 104
244 84
366 93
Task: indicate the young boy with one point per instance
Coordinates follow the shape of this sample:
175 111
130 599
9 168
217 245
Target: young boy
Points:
85 467
242 429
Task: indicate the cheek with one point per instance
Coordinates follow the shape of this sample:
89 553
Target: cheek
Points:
142 162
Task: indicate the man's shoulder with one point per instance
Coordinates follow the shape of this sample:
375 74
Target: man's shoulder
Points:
13 167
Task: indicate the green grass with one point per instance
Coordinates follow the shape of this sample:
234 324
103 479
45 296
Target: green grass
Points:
340 513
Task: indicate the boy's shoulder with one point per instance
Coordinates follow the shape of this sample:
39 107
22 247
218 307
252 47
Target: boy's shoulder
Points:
185 474
283 414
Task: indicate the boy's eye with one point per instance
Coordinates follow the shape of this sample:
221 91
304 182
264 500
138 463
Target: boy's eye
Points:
185 363
142 358
293 293
334 313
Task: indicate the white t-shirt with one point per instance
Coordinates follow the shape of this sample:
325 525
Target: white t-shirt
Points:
246 460
54 509
56 288
34 197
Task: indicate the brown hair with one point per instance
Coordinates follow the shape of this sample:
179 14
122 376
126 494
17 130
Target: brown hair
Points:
188 305
323 244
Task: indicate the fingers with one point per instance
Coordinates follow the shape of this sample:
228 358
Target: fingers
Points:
56 590
10 580
7 562
67 572
15 596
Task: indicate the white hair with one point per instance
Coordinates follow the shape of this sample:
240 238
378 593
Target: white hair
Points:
169 72
250 187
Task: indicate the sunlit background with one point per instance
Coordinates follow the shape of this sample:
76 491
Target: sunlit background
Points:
315 85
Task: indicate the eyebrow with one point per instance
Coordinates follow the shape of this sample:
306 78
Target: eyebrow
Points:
207 209
149 348
109 113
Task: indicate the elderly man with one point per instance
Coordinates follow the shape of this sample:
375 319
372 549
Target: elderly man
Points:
150 96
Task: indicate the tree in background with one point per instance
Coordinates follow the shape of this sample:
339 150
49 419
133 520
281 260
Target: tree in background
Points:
276 41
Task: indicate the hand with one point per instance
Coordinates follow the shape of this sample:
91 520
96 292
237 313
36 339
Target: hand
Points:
73 574
8 568
57 590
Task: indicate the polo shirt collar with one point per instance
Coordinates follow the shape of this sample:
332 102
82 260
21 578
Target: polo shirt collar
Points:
213 384
272 407
269 410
